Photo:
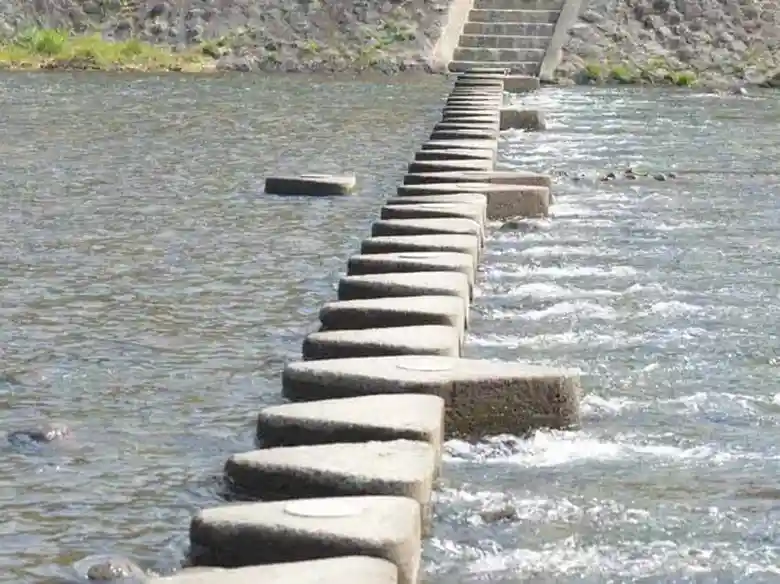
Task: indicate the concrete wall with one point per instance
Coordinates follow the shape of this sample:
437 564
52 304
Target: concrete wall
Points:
342 479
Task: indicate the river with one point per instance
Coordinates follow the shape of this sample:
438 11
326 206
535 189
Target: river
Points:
151 295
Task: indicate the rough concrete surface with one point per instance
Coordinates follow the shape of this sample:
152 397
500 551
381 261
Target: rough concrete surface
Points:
427 226
402 243
384 263
393 312
482 397
292 531
359 419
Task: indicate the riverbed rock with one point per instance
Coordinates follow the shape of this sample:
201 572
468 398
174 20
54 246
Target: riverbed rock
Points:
39 435
107 569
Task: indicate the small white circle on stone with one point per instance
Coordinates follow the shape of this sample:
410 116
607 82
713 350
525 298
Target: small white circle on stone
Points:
424 365
323 508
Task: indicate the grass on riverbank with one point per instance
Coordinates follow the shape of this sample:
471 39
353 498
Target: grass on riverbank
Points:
56 49
653 73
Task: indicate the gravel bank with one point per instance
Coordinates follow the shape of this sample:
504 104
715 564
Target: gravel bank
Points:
713 43
313 35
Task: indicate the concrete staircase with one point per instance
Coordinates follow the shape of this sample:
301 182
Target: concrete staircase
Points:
507 33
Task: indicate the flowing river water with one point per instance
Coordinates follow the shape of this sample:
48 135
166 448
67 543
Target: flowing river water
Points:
150 295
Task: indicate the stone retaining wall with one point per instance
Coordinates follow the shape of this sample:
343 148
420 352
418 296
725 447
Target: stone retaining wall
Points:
341 486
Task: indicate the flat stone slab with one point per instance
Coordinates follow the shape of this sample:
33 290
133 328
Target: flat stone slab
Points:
464 134
482 397
466 198
460 119
402 243
456 154
245 534
476 212
373 313
359 419
416 261
468 125
444 165
504 201
403 468
460 144
489 113
415 226
317 185
328 571
377 342
522 119
509 177
393 285
521 83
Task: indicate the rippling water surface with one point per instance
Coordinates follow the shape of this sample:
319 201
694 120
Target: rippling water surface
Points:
665 296
150 295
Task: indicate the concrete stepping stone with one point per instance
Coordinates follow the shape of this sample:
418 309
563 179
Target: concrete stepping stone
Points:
511 177
376 342
415 261
444 165
402 468
455 154
504 201
521 83
464 134
374 313
460 144
327 571
359 419
489 113
482 397
438 209
393 285
522 119
467 198
245 534
469 125
318 185
426 226
461 119
401 243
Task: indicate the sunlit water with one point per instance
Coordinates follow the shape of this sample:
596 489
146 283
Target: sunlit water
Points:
665 296
151 294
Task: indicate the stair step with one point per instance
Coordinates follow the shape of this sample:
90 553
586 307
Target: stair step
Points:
490 55
516 67
525 16
503 41
518 4
523 29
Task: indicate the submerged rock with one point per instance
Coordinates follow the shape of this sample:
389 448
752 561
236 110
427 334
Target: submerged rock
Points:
109 568
39 435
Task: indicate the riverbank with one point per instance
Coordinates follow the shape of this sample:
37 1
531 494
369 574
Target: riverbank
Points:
659 42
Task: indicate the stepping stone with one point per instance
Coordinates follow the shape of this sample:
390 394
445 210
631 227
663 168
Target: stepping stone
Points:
460 144
375 313
521 83
318 185
469 125
490 113
508 177
493 108
358 419
402 468
378 342
504 201
416 261
477 199
455 154
327 571
482 397
444 165
438 209
415 226
462 119
521 119
393 285
464 134
244 534
401 243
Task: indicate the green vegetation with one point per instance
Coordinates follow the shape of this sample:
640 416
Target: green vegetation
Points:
654 72
57 49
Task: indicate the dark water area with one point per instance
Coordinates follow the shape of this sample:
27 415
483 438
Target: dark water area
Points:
150 295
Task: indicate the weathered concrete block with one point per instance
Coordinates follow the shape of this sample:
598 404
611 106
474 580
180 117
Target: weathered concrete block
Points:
521 84
455 154
401 243
328 571
374 313
293 531
473 101
377 342
468 125
478 199
444 165
384 263
481 397
461 119
490 114
476 212
504 201
393 285
521 119
463 134
320 185
427 226
403 468
508 177
460 144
